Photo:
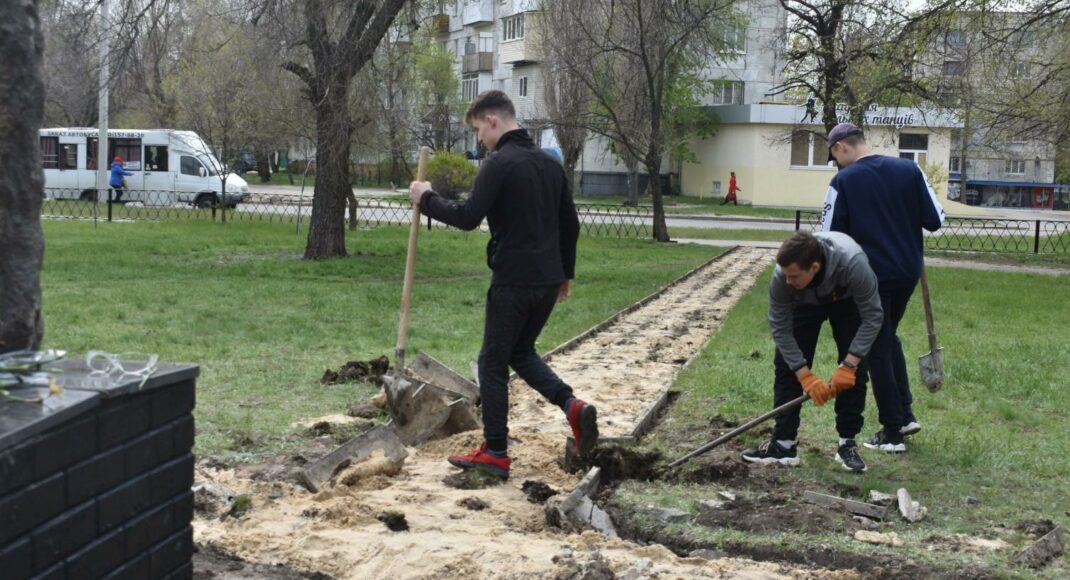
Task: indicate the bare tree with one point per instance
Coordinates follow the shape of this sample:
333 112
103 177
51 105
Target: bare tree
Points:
328 42
22 242
154 31
639 56
70 65
393 72
857 52
566 98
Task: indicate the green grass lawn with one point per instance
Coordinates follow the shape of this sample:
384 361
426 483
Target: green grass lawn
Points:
729 234
264 325
284 178
997 431
685 204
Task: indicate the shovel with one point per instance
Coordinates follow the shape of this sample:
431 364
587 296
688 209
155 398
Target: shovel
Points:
740 430
932 362
421 410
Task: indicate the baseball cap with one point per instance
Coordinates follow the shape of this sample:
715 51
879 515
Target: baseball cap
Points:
842 131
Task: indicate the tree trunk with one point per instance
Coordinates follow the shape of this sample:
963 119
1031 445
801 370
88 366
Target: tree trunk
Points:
571 157
653 170
633 183
22 242
352 199
326 231
263 165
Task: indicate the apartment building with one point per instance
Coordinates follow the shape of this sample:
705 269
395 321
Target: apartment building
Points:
1004 164
492 41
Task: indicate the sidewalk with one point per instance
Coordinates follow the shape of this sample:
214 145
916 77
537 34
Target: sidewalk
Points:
932 261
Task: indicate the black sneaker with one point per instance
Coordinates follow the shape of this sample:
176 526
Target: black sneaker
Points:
910 428
848 456
881 442
772 452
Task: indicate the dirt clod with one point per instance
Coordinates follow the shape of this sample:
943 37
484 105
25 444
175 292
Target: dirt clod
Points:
394 520
775 513
722 423
618 462
537 491
366 411
1035 527
723 469
472 479
473 503
319 429
355 370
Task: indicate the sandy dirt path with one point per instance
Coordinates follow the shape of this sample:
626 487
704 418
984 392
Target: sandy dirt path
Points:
621 369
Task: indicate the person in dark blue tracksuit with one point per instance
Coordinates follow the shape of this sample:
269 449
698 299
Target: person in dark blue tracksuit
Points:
883 203
117 174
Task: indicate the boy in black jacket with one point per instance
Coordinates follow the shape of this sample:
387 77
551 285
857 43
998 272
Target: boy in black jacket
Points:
525 196
883 203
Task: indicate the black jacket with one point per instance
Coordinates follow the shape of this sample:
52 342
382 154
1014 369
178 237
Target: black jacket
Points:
525 196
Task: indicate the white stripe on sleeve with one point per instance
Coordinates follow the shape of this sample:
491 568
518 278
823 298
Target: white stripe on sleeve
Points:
827 208
932 196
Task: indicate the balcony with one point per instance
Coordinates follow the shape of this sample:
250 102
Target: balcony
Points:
519 52
475 12
478 62
519 43
440 23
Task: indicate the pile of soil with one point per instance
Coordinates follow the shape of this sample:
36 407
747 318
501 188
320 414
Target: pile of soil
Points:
356 371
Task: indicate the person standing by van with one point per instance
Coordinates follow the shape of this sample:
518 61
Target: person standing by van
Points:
117 174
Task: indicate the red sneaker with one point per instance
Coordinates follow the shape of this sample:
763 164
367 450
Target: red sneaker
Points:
481 458
583 418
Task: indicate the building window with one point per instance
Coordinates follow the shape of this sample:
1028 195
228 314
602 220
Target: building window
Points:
1019 70
735 40
727 93
955 165
522 90
914 146
513 27
1015 167
469 87
808 149
956 38
953 68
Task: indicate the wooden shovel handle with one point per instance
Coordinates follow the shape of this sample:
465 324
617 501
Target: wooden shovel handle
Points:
410 258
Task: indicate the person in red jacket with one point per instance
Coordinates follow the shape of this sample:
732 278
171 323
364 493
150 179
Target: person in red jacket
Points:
732 190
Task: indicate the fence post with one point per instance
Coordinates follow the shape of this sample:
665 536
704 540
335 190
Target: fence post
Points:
109 204
798 218
1036 239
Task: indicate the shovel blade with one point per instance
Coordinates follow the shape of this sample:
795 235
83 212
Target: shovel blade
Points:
931 365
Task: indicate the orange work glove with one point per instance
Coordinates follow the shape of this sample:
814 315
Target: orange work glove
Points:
818 389
842 380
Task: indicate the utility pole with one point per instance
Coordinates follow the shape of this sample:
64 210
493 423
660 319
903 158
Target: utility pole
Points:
102 100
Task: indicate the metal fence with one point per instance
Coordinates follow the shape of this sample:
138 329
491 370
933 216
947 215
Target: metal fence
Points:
963 234
371 212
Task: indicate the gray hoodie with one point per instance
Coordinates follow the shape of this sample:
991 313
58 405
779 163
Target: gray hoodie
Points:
845 273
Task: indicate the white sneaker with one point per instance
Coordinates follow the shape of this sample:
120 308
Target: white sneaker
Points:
910 428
